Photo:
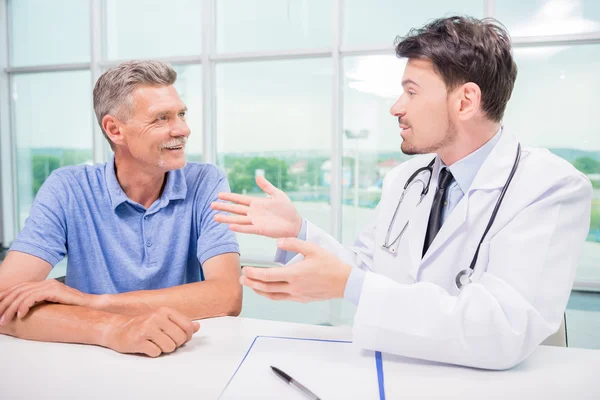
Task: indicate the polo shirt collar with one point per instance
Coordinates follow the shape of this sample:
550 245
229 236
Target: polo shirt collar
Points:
175 188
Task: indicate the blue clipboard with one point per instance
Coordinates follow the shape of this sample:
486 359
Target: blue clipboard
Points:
378 360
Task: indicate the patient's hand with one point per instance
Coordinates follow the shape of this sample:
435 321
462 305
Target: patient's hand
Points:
274 216
160 331
19 299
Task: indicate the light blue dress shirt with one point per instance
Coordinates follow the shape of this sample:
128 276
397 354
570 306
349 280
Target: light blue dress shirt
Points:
463 172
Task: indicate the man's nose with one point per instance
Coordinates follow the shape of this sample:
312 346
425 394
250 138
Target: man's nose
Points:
398 109
180 128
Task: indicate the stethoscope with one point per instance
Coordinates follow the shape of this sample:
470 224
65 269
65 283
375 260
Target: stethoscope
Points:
463 278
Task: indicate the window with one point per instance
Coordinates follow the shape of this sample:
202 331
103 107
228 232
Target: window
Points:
267 25
554 105
371 141
548 17
153 28
189 87
378 22
274 118
36 37
53 125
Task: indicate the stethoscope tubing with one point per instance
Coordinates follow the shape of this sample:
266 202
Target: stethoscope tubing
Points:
429 168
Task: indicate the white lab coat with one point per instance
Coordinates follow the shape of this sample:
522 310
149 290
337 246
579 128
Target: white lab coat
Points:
410 306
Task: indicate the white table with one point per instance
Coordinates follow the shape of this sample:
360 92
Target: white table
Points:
200 369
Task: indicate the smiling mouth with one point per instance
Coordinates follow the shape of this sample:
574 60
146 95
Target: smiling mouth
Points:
174 148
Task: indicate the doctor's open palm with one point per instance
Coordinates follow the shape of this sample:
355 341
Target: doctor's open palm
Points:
274 216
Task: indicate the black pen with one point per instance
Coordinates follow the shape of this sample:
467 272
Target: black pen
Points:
295 383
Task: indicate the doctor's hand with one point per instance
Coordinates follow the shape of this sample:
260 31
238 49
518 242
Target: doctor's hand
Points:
319 276
19 299
274 216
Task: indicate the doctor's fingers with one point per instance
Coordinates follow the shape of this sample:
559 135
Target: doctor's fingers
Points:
230 207
274 296
267 287
275 274
233 219
267 186
236 198
298 246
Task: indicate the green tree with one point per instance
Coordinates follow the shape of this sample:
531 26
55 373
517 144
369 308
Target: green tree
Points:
276 170
239 179
42 166
587 165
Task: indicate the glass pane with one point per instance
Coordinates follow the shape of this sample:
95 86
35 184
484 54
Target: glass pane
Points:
153 28
554 105
371 139
378 22
53 128
273 24
189 87
548 17
274 118
37 38
583 320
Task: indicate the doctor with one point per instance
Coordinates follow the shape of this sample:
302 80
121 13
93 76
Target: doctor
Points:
471 255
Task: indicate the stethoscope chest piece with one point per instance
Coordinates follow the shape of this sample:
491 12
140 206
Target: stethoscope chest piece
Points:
463 278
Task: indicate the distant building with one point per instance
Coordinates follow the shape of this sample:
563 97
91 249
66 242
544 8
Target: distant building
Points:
326 174
298 167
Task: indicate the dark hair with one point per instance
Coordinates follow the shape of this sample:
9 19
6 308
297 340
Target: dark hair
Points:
465 49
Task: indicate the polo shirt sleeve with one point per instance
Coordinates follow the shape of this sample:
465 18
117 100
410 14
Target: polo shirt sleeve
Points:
215 238
45 232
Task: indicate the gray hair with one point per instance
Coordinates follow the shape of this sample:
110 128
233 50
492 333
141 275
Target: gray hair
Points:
114 87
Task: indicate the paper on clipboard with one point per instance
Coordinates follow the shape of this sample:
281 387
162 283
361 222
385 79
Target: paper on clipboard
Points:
330 369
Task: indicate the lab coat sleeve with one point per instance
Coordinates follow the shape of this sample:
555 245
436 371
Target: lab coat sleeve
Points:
283 256
357 275
360 255
499 320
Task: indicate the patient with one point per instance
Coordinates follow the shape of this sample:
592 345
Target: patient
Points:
145 256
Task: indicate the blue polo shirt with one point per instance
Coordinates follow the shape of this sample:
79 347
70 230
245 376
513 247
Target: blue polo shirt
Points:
116 245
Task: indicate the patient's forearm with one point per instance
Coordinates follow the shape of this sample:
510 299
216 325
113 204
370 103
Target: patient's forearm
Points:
198 300
62 323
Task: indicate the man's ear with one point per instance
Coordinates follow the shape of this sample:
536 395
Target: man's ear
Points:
112 127
469 96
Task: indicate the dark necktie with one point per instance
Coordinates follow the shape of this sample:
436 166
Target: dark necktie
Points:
435 217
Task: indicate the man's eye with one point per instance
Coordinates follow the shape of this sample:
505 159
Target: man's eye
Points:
162 118
182 114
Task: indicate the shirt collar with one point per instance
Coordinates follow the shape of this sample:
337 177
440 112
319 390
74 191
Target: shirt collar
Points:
465 169
175 188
